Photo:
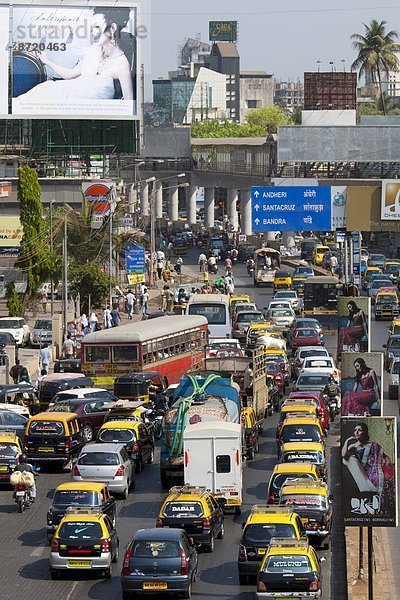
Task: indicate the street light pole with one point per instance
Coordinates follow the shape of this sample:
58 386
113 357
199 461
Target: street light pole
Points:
65 275
51 249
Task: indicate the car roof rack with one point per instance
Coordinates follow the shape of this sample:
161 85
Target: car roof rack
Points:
188 489
289 417
289 542
304 482
8 432
272 509
302 401
83 510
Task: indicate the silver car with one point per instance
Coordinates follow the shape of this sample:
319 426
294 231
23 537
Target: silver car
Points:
282 318
291 295
243 321
41 333
109 463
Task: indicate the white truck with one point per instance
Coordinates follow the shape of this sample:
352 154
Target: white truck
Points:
213 459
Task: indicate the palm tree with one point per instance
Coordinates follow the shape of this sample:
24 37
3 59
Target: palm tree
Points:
376 52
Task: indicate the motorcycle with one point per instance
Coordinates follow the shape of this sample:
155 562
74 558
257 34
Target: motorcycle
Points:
213 269
333 403
22 497
250 270
155 418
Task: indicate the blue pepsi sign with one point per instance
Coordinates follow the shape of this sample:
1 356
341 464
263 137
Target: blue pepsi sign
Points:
294 208
135 261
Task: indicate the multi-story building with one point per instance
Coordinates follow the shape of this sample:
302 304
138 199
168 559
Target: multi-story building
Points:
256 91
289 94
225 59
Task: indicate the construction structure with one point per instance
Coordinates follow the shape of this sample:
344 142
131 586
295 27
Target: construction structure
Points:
330 91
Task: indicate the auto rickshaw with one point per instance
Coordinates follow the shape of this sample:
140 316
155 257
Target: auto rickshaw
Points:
298 285
282 280
320 295
180 247
20 394
138 386
267 261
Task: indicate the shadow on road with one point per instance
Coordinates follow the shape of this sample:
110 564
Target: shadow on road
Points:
34 537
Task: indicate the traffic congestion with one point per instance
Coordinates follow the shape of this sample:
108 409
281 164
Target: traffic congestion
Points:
211 431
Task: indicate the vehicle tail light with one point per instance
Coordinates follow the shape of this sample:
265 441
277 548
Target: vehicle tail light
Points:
286 367
67 445
261 587
159 523
20 487
184 562
135 448
120 472
186 459
271 498
236 327
314 586
75 471
105 546
125 567
206 523
250 439
325 520
242 552
54 545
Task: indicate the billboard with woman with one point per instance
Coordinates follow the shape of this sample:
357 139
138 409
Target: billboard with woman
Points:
361 384
354 314
368 449
74 61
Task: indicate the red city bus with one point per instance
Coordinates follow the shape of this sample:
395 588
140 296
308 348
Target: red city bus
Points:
171 345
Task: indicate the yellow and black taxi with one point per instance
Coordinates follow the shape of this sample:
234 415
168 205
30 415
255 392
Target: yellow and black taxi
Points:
125 410
10 451
386 304
263 524
296 407
196 511
298 284
290 569
137 438
369 271
85 494
300 429
312 502
53 437
279 355
85 540
284 471
305 452
282 280
255 330
233 300
250 424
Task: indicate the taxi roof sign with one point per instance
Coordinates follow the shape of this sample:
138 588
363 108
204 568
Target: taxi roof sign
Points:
289 542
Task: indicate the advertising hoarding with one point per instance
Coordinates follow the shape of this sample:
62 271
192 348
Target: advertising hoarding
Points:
339 201
361 384
291 208
99 196
354 324
223 31
390 204
74 61
10 232
369 474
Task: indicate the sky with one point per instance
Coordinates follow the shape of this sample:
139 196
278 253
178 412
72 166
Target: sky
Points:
284 38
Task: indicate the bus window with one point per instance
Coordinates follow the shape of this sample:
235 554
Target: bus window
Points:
97 354
125 354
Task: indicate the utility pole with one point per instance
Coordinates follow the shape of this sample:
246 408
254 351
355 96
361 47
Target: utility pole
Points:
51 249
65 275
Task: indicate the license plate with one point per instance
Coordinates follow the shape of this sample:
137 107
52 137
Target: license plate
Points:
155 585
80 564
46 449
20 494
261 551
3 468
232 501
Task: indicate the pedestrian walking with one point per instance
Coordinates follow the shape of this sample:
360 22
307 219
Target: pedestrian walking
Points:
115 318
130 303
24 376
45 357
68 348
178 266
15 370
145 300
84 324
160 268
160 255
333 263
107 318
202 262
92 322
39 378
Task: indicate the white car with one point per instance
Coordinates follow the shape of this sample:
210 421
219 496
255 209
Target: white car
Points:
222 347
77 393
18 328
324 363
312 379
291 295
393 385
279 304
282 318
303 353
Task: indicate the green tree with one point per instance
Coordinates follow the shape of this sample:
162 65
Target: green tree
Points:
376 53
89 280
36 259
264 121
15 306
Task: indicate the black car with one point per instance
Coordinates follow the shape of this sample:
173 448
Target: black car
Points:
84 495
91 412
159 561
67 365
12 420
392 350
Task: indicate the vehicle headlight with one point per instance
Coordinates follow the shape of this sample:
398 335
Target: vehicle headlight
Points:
390 354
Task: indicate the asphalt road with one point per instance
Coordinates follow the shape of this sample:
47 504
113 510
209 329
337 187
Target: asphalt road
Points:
24 554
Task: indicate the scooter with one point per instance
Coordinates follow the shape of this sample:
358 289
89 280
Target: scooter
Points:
250 270
333 403
22 497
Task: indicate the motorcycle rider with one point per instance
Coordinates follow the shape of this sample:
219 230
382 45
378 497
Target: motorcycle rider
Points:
212 264
160 401
331 389
202 262
250 265
24 467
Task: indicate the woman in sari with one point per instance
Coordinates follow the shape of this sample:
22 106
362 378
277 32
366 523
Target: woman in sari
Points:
356 328
371 469
365 392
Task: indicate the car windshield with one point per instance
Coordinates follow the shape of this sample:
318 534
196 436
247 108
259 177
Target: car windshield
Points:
249 317
46 428
377 283
396 368
280 312
386 299
261 533
304 353
116 436
214 313
43 324
376 257
301 433
75 498
80 531
272 367
287 563
306 333
8 450
10 324
183 510
304 270
300 323
304 501
98 458
219 345
394 343
302 456
285 294
156 550
392 268
314 380
280 479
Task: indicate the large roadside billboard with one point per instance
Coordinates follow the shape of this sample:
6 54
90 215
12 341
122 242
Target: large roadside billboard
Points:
369 474
361 384
73 61
354 324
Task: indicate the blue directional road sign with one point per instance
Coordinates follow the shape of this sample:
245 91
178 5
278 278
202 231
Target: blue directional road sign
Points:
294 208
135 261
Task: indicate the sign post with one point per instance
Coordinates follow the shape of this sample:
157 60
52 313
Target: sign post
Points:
292 208
135 264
